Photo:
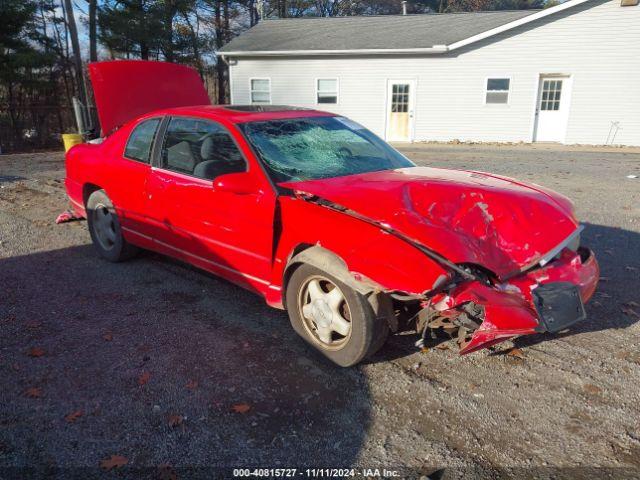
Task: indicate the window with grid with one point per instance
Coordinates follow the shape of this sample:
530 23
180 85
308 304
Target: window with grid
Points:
497 90
551 94
327 90
260 90
400 98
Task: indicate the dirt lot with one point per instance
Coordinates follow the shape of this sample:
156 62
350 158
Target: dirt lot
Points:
153 356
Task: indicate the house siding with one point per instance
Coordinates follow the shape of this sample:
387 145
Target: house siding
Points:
596 43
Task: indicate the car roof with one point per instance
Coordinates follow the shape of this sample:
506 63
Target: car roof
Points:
243 113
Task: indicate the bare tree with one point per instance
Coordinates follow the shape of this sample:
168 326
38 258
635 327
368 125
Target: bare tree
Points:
75 46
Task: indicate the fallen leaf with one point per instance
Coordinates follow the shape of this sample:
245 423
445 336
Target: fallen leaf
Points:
36 352
424 350
175 420
515 352
144 378
241 408
192 385
108 337
442 346
166 472
116 461
34 324
592 389
33 392
73 416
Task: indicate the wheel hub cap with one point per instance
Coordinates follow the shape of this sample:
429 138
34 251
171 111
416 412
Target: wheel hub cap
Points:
321 313
325 312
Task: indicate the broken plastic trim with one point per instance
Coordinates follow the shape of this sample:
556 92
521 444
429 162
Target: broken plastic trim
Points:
386 228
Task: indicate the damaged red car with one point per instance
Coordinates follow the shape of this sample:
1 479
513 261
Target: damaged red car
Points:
322 218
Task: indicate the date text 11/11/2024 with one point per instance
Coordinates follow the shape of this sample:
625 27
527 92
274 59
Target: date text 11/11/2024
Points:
315 472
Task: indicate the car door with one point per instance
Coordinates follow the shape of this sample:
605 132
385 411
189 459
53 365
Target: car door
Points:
227 233
129 174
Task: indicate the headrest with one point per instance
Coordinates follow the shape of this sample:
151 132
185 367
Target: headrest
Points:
207 149
209 169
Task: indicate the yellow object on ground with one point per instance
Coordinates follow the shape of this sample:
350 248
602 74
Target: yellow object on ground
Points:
71 139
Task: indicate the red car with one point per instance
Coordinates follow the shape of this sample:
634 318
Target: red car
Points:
323 219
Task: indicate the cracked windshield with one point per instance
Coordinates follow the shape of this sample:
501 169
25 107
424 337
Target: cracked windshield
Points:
320 147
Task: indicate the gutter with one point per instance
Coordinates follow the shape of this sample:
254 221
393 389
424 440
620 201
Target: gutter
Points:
436 49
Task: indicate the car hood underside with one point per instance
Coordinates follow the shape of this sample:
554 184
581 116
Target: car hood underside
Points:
468 217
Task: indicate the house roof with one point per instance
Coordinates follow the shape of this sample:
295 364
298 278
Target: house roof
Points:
424 33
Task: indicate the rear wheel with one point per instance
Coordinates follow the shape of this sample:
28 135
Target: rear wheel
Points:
333 317
105 230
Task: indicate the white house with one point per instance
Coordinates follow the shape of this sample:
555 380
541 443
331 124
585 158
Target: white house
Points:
568 74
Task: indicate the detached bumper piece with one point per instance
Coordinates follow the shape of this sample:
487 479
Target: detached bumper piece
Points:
558 305
547 299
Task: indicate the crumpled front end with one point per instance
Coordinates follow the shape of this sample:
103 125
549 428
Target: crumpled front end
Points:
548 298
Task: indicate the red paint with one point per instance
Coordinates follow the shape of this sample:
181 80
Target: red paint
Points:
126 89
468 217
239 228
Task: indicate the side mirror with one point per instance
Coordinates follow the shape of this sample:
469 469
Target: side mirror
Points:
239 183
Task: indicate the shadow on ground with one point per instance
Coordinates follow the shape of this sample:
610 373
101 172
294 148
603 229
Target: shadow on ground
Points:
137 346
618 253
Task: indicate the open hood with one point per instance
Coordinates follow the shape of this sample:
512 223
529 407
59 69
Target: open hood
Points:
468 217
126 89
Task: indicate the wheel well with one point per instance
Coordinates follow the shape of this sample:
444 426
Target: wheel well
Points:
291 267
329 262
87 190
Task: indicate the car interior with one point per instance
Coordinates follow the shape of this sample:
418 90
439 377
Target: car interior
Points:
200 148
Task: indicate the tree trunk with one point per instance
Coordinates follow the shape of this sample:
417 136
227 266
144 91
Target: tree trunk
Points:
169 14
220 66
93 38
75 45
227 30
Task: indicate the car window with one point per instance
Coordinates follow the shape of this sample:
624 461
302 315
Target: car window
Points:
319 147
141 140
200 148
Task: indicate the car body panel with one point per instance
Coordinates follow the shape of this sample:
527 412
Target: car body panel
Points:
126 89
469 217
407 232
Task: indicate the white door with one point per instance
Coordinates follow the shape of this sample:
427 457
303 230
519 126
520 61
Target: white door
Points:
400 102
552 112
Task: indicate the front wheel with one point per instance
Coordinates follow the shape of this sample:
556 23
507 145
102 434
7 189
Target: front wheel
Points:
105 230
333 317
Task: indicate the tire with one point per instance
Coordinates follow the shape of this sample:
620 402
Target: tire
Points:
105 231
311 318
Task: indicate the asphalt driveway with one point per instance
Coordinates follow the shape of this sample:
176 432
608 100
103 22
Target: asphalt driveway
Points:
160 367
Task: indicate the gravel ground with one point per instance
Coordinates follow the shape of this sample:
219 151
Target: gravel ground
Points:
151 357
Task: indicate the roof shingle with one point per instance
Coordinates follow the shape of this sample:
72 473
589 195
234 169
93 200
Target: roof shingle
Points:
385 32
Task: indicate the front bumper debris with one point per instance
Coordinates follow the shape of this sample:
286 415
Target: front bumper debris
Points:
549 298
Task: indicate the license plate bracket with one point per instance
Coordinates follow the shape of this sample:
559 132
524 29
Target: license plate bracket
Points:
559 305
